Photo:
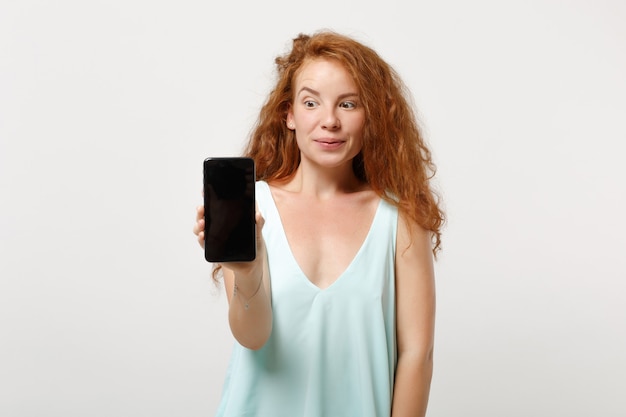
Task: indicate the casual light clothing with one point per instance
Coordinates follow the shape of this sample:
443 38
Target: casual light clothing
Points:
332 352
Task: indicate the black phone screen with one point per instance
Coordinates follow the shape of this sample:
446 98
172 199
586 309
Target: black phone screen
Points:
229 207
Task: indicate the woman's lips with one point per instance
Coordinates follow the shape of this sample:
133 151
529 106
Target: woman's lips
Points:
328 143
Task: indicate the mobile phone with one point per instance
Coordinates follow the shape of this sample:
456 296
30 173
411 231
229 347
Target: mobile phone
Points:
229 208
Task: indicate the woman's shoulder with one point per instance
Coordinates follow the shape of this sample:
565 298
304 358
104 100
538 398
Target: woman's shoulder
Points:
261 184
263 195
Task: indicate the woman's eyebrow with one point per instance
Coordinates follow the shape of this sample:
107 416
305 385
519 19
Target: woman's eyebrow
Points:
317 93
309 90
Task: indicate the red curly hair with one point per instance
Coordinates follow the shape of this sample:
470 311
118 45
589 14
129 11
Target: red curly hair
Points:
394 160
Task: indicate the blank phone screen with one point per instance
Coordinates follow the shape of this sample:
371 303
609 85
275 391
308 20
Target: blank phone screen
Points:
229 199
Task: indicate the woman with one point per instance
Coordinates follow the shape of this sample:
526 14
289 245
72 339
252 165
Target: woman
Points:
335 317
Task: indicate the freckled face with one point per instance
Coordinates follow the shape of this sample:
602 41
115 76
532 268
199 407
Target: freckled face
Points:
326 114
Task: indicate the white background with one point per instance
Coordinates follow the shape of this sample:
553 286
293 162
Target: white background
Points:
107 109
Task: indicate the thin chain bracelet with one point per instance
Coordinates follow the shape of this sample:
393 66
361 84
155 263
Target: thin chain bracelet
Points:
246 304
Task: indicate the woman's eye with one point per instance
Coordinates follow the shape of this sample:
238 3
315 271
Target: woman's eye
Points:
309 104
347 105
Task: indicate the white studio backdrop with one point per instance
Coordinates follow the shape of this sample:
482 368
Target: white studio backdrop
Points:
107 109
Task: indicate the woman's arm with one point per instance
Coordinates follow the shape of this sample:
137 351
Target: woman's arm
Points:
415 320
249 306
247 287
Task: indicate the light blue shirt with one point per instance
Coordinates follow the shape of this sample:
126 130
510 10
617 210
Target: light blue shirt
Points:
332 352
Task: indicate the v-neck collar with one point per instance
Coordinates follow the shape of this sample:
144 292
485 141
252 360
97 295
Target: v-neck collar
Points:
295 261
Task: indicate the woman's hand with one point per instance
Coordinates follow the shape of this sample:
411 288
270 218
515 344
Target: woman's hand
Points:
240 268
250 311
198 228
253 268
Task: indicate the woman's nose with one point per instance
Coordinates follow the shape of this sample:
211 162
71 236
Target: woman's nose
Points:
330 120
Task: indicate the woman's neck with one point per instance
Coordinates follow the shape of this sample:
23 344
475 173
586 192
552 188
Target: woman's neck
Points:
322 182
